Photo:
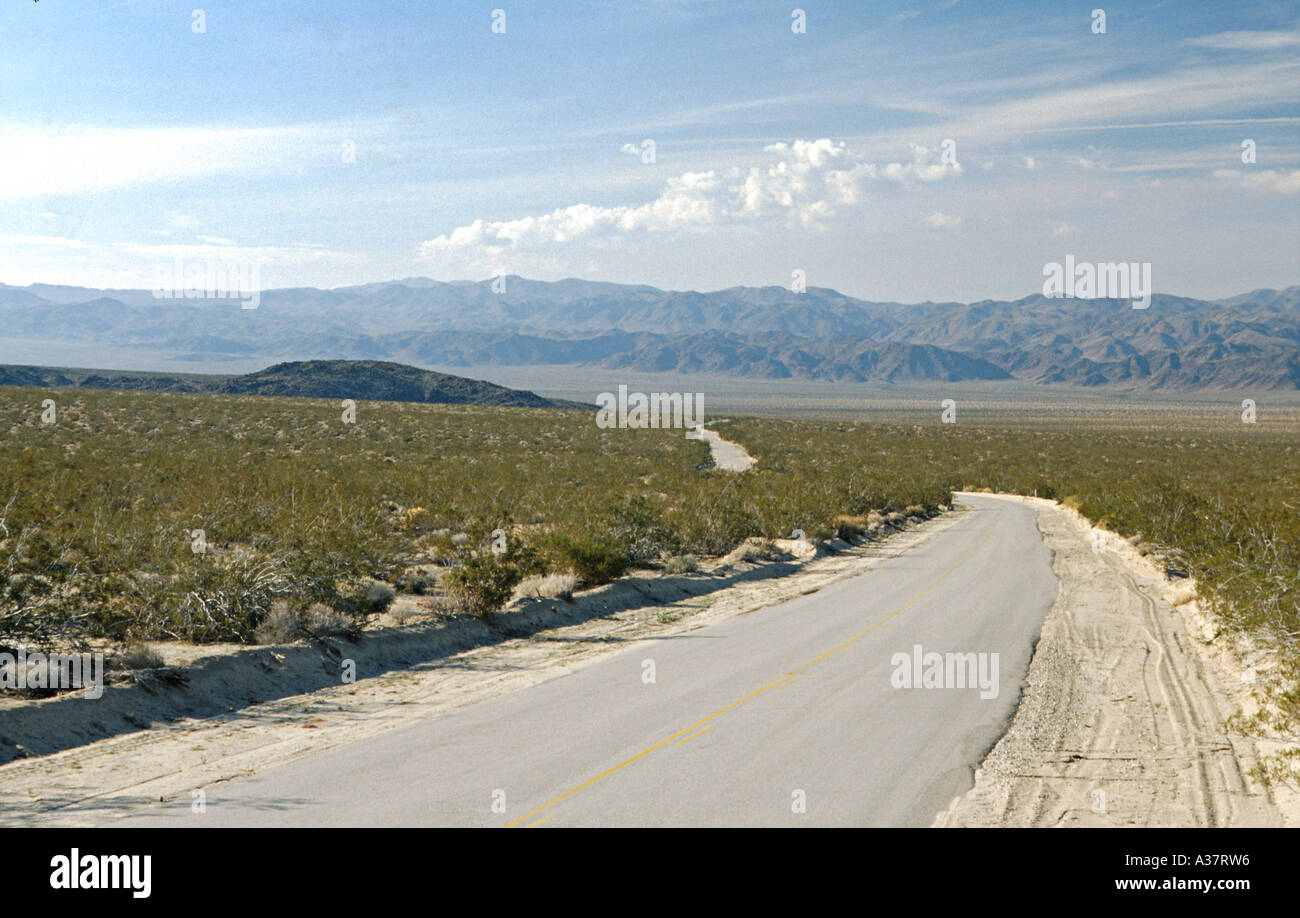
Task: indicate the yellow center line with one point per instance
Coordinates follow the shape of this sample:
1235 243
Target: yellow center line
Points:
754 694
693 735
642 754
534 825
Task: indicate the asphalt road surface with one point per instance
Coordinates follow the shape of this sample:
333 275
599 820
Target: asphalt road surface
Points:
788 716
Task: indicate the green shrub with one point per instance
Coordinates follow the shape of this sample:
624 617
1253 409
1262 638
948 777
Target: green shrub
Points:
637 528
369 597
593 560
480 585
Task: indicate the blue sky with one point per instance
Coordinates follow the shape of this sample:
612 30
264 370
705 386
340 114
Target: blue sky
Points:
127 140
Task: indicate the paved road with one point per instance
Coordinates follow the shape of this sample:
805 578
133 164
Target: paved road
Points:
731 457
745 720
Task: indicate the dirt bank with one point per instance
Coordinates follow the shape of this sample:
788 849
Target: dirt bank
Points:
1121 720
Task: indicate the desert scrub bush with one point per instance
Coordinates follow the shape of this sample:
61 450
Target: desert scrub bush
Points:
682 564
637 528
754 550
281 625
416 582
401 614
850 527
284 624
223 599
594 560
320 621
480 585
719 523
33 569
547 586
527 558
139 655
369 597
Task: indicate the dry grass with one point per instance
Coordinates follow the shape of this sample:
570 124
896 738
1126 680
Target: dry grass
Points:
682 564
547 586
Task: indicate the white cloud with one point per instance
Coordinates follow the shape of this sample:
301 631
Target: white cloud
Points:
807 183
51 242
69 260
224 249
1169 97
943 221
39 161
1064 229
1270 180
1247 41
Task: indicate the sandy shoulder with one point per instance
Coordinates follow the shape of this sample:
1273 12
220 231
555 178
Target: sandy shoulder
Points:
1121 718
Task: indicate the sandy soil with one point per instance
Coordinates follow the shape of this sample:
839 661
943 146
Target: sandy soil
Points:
229 711
1121 718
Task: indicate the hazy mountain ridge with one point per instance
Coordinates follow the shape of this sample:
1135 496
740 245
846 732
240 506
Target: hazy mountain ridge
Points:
1250 340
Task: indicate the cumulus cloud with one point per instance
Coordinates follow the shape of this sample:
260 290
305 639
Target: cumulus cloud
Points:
1270 180
805 183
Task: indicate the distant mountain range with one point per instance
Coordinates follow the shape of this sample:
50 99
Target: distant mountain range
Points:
355 379
1248 341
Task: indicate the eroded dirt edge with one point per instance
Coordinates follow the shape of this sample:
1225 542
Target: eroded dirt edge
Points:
1121 718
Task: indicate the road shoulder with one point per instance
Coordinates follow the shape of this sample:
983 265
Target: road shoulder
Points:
1121 718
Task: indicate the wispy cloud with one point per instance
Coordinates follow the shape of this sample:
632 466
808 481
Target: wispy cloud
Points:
1184 94
70 260
1247 41
38 161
